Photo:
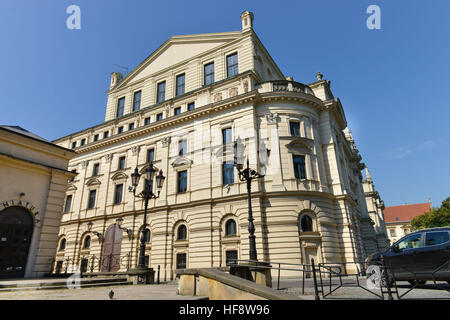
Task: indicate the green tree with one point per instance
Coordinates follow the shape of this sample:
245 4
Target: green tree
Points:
436 217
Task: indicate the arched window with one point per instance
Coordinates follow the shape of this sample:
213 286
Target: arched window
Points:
62 244
87 242
230 228
182 233
306 223
147 235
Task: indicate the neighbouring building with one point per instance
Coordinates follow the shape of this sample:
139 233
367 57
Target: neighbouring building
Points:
376 238
34 177
398 218
182 109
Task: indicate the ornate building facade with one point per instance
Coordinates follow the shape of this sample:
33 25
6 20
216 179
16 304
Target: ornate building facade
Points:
182 108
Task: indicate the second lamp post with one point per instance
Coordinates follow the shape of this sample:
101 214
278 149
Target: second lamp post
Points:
247 175
146 194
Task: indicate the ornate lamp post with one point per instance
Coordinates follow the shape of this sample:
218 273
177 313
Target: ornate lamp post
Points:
247 175
146 194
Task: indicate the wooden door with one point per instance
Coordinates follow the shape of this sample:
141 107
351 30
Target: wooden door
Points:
110 261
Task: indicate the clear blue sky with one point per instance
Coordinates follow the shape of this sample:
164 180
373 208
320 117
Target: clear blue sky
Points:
394 83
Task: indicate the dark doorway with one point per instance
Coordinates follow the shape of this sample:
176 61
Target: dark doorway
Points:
16 229
111 249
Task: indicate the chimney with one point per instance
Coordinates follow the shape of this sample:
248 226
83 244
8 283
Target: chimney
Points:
116 77
247 20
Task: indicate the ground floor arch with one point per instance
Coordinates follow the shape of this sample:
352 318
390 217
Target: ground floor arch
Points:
16 229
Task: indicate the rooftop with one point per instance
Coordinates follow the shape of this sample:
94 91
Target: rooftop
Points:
405 212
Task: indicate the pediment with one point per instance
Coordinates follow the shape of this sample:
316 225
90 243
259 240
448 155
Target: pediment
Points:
71 187
300 143
93 182
181 161
176 50
119 176
142 170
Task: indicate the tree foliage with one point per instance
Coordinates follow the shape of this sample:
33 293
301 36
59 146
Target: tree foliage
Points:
436 217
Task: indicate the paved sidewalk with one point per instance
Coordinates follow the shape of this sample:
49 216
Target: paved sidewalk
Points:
123 292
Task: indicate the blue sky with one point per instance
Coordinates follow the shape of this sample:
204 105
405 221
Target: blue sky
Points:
393 83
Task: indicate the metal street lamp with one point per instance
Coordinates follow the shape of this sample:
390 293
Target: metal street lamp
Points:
146 194
98 234
247 175
129 232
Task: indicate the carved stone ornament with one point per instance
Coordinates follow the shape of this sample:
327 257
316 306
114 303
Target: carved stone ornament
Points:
108 157
165 141
135 150
217 97
245 86
232 92
84 164
271 117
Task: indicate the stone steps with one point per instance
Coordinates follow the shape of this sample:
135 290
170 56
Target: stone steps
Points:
54 284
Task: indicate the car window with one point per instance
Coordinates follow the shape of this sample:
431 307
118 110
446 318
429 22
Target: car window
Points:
434 238
410 242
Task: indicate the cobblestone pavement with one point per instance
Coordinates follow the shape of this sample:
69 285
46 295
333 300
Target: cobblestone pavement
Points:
121 292
350 291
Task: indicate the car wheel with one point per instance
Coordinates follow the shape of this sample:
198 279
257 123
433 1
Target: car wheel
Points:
419 282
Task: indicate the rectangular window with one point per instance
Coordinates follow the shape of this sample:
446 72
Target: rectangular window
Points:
182 147
84 265
209 73
91 202
96 137
118 194
191 106
68 204
159 117
137 101
181 260
121 165
180 84
95 169
120 130
299 167
105 134
150 155
83 142
392 232
231 257
131 126
232 65
226 136
120 107
146 121
176 111
228 173
74 145
182 181
161 93
295 128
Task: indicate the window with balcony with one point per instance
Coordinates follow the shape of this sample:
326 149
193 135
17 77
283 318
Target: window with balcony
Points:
299 167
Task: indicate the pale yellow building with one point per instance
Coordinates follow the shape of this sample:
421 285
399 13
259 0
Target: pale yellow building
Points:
183 107
33 176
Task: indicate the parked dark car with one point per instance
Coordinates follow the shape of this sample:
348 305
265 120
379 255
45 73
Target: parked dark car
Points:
417 257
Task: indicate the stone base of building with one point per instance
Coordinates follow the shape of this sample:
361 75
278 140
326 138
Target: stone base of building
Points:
258 272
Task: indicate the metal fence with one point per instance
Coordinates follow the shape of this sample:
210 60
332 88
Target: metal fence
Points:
328 278
93 263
